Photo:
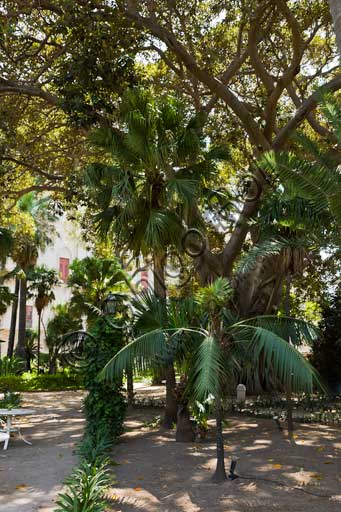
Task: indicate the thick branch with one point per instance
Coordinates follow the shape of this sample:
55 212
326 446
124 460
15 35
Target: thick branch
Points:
301 113
12 87
215 85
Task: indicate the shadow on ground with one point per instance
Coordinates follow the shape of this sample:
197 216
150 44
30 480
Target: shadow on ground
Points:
31 476
157 474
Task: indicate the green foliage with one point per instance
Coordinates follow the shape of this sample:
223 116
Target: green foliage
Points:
215 350
10 365
104 406
326 354
92 280
215 296
65 320
85 489
10 400
42 382
41 284
160 171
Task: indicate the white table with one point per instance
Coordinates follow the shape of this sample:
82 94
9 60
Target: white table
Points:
10 413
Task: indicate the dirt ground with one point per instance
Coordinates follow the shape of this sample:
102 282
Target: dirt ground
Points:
31 476
156 474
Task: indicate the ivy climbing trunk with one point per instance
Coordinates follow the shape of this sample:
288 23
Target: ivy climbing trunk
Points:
170 417
20 350
14 313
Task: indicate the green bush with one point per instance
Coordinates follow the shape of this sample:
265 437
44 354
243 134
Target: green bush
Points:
104 405
43 382
85 489
10 400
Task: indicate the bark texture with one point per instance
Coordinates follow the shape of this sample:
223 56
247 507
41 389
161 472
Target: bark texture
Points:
20 350
14 312
335 10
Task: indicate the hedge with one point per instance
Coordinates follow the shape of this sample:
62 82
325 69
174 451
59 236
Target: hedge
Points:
42 382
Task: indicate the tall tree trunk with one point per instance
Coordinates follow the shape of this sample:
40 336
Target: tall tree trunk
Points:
220 473
130 385
14 312
335 9
20 350
170 416
38 342
288 391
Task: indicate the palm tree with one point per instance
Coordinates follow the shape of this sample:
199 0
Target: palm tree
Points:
64 321
215 361
42 281
92 280
150 195
26 245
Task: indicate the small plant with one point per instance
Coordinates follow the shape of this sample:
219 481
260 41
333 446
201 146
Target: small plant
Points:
85 489
11 400
201 412
154 422
11 365
94 448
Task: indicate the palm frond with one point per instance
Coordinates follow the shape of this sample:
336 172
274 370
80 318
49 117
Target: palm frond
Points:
289 366
259 252
140 355
297 332
208 369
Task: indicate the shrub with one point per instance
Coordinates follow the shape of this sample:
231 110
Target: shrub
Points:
85 489
326 355
11 365
104 405
10 400
42 382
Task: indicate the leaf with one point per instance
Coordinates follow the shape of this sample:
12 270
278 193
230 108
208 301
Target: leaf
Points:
137 489
21 487
277 466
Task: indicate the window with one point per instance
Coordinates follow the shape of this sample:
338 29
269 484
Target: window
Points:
64 268
29 317
144 279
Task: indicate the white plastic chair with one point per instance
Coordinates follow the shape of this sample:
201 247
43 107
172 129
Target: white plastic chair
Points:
4 437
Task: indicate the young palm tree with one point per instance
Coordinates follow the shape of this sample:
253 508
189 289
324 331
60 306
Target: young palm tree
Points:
42 281
215 361
149 196
64 321
92 280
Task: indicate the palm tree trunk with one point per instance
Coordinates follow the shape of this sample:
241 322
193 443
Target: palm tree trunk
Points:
171 409
335 9
20 350
38 342
130 385
14 312
220 473
288 391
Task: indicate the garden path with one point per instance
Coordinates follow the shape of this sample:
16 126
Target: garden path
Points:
31 476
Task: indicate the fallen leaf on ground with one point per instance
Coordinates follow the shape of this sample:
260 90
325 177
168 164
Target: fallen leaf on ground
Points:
317 476
328 462
138 489
277 466
21 487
